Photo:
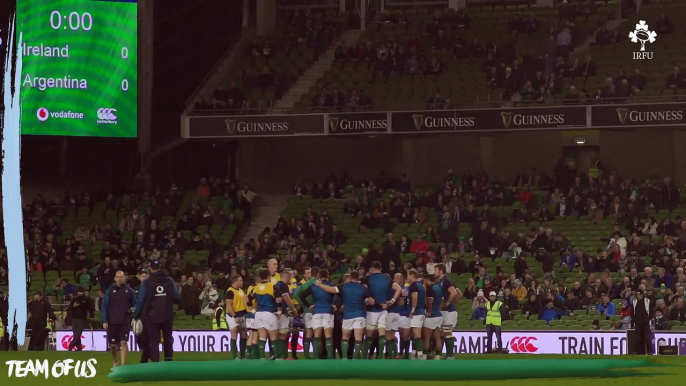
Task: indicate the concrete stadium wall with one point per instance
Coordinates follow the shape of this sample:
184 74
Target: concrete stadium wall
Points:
273 164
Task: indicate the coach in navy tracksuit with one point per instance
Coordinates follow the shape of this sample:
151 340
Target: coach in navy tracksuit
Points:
142 338
156 309
116 316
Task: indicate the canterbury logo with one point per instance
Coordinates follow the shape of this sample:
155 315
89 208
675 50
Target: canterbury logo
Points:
507 118
107 114
522 344
230 125
622 113
333 123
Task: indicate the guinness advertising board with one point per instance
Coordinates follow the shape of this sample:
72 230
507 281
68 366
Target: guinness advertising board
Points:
536 118
665 114
357 123
255 125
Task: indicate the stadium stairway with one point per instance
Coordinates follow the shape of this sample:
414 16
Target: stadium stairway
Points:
265 214
310 77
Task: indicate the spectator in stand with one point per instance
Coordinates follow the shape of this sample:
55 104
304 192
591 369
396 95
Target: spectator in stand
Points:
606 307
614 37
678 311
674 81
515 25
531 25
550 312
480 311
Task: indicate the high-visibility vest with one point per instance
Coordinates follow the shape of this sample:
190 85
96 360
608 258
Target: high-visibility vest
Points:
493 313
48 326
223 325
292 287
2 330
593 170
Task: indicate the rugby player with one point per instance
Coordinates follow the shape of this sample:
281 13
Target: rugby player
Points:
322 314
296 322
250 324
404 322
310 276
451 295
283 291
379 285
394 312
235 316
354 297
273 267
434 318
417 298
266 317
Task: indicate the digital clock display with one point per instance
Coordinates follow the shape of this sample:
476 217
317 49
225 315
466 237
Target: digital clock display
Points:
80 67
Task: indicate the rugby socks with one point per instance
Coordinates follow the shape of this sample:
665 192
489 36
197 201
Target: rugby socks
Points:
234 349
390 348
450 347
345 344
358 350
284 348
244 347
294 345
365 350
306 347
417 347
405 349
317 343
260 349
382 344
331 354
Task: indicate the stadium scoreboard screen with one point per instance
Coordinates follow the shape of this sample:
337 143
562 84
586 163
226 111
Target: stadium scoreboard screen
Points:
80 67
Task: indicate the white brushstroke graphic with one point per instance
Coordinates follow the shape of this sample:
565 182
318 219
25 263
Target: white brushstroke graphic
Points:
11 190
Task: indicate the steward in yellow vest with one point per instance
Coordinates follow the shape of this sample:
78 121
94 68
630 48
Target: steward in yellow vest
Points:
493 322
219 319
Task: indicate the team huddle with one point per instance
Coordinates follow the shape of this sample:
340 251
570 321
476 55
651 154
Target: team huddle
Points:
375 309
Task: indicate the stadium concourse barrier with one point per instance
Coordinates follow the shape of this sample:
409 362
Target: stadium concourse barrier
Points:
378 370
467 342
616 116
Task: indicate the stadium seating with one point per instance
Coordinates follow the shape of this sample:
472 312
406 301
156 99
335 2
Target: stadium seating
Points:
289 51
582 233
463 80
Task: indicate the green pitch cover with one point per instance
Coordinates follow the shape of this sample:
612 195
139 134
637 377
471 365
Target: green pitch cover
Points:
301 288
455 370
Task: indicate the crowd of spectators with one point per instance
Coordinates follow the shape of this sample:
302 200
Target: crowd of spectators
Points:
470 230
138 238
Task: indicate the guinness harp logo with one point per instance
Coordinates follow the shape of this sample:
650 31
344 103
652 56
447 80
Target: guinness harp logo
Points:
230 125
622 113
418 121
333 123
507 118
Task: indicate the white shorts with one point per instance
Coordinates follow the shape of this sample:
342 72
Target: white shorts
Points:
433 323
266 320
232 322
307 319
374 319
417 321
322 321
353 324
449 319
393 321
284 322
404 323
251 324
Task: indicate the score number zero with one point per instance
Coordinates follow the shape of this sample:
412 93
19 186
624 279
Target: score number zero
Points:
83 21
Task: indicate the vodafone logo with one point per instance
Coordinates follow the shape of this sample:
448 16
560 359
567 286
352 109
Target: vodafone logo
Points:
66 341
523 345
42 114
